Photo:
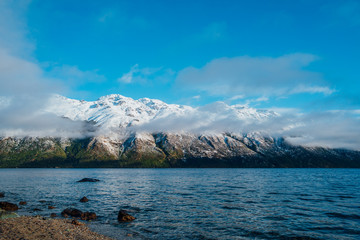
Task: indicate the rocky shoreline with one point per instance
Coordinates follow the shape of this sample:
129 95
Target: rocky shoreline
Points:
34 228
70 226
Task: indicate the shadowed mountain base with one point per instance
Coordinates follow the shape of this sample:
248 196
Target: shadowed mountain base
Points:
171 150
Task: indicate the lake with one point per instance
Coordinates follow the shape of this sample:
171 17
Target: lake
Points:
198 203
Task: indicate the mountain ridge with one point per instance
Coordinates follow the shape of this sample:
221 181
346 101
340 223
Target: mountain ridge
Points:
115 110
121 140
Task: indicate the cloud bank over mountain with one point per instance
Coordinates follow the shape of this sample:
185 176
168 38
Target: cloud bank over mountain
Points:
327 129
118 116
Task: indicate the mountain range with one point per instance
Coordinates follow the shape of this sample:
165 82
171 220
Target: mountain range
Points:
122 132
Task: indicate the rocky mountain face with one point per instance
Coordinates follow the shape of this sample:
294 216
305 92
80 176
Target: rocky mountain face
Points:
121 142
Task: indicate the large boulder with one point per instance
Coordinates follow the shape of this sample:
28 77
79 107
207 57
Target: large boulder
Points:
89 180
8 206
73 212
123 216
2 194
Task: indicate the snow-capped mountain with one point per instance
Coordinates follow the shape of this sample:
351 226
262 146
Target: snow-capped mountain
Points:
116 111
151 133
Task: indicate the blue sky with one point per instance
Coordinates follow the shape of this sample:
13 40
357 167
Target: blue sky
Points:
267 54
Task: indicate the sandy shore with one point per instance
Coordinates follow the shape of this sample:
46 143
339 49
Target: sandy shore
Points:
35 228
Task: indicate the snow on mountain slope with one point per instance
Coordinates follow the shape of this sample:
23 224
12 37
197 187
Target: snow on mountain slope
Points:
114 111
117 111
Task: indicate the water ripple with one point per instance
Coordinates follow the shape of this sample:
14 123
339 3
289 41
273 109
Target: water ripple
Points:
199 203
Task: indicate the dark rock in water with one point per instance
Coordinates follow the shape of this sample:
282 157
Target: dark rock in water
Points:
89 180
73 212
37 209
42 201
22 203
53 215
51 207
88 216
8 206
2 194
84 199
123 216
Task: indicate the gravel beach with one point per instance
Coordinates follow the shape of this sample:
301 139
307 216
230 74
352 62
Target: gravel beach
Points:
34 228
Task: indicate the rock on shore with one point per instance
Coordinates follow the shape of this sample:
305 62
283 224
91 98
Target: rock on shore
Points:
8 206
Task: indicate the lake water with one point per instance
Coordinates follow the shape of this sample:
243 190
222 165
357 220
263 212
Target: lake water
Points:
199 203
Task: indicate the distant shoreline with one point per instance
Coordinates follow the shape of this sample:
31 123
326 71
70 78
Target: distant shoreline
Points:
212 167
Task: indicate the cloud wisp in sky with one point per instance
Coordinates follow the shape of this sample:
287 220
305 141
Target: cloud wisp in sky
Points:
145 75
255 76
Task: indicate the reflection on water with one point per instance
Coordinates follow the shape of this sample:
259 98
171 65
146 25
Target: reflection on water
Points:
199 203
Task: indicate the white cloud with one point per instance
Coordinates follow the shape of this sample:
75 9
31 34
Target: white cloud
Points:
285 111
236 97
313 89
256 100
143 75
73 76
13 29
255 76
19 76
326 129
129 76
24 92
24 88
